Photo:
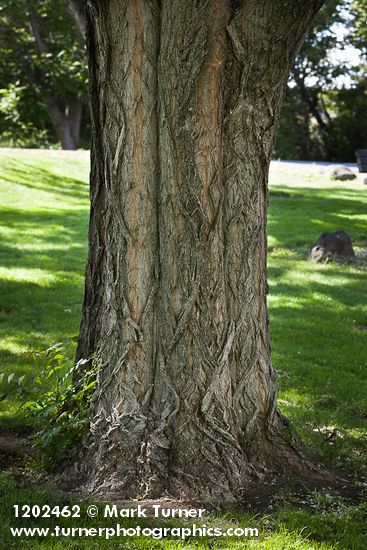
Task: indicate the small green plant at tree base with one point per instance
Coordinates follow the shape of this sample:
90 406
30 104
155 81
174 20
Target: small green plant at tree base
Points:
57 400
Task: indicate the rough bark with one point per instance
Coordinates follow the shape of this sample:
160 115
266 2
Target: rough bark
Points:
185 100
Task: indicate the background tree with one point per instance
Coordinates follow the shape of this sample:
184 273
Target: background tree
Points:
314 125
77 9
358 27
185 100
43 64
322 120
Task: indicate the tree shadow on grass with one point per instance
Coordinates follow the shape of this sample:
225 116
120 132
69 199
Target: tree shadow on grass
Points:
320 354
52 240
340 284
42 261
32 176
315 309
34 316
302 214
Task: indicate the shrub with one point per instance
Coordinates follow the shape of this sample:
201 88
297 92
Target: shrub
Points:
57 400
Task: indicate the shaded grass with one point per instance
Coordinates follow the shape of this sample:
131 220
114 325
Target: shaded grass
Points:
318 350
299 215
321 357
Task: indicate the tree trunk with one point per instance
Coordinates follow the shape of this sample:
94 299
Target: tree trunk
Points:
185 99
74 114
66 122
310 99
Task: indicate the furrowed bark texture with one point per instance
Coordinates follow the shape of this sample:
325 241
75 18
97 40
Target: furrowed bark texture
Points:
185 99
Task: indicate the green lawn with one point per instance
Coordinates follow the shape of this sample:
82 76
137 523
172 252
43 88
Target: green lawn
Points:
43 227
317 313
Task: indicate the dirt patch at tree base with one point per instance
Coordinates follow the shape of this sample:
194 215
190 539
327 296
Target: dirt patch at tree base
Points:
299 494
260 497
14 450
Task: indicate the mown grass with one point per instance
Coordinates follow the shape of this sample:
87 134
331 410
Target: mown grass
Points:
316 311
44 218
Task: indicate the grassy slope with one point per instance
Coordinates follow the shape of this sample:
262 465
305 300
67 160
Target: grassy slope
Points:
43 227
317 349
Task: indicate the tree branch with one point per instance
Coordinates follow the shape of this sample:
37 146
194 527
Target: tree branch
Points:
77 9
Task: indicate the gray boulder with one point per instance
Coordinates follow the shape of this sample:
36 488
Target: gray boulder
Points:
342 173
332 246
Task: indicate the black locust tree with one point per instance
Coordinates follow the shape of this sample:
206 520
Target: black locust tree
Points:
185 98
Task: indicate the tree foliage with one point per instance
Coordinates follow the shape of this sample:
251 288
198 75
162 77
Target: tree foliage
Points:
358 25
322 120
43 79
43 63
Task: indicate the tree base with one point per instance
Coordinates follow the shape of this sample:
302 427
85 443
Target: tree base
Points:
104 469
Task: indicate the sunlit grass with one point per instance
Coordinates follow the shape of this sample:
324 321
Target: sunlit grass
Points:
43 226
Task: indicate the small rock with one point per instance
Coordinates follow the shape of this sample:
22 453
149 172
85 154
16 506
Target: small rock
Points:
330 246
342 173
